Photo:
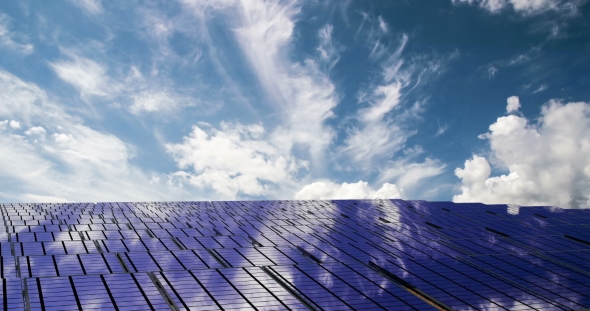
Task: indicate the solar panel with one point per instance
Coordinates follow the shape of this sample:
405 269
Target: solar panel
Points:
293 255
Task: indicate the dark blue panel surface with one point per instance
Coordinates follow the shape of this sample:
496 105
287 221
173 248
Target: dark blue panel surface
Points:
294 255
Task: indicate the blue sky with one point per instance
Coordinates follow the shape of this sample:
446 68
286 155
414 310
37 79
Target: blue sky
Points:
464 100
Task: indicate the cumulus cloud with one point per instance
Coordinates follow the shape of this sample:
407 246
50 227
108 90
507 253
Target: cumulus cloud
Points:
235 159
63 139
35 131
524 6
10 39
547 161
513 104
14 124
327 190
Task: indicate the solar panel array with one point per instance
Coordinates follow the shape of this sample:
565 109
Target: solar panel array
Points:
294 255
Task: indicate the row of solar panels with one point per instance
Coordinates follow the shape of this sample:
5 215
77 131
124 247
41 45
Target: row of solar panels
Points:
400 244
451 217
509 227
193 238
480 275
303 287
282 219
459 284
234 257
410 247
104 263
409 244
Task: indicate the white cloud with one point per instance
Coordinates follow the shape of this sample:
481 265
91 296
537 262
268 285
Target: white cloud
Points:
378 139
158 101
376 135
525 7
409 174
541 88
476 170
34 198
301 92
200 6
492 71
88 76
35 131
304 96
7 37
77 164
516 60
91 6
144 95
329 50
63 139
388 97
383 25
327 190
519 59
441 130
547 162
236 159
14 124
513 104
377 142
3 124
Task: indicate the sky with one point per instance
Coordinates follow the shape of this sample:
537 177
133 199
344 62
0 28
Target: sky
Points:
442 100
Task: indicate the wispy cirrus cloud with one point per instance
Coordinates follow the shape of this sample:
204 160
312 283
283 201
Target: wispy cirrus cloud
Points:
381 128
302 92
526 7
90 6
375 135
441 129
11 39
541 88
139 93
519 59
329 50
86 75
409 173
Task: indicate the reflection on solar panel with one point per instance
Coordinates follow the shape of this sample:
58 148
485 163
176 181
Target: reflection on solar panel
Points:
294 255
